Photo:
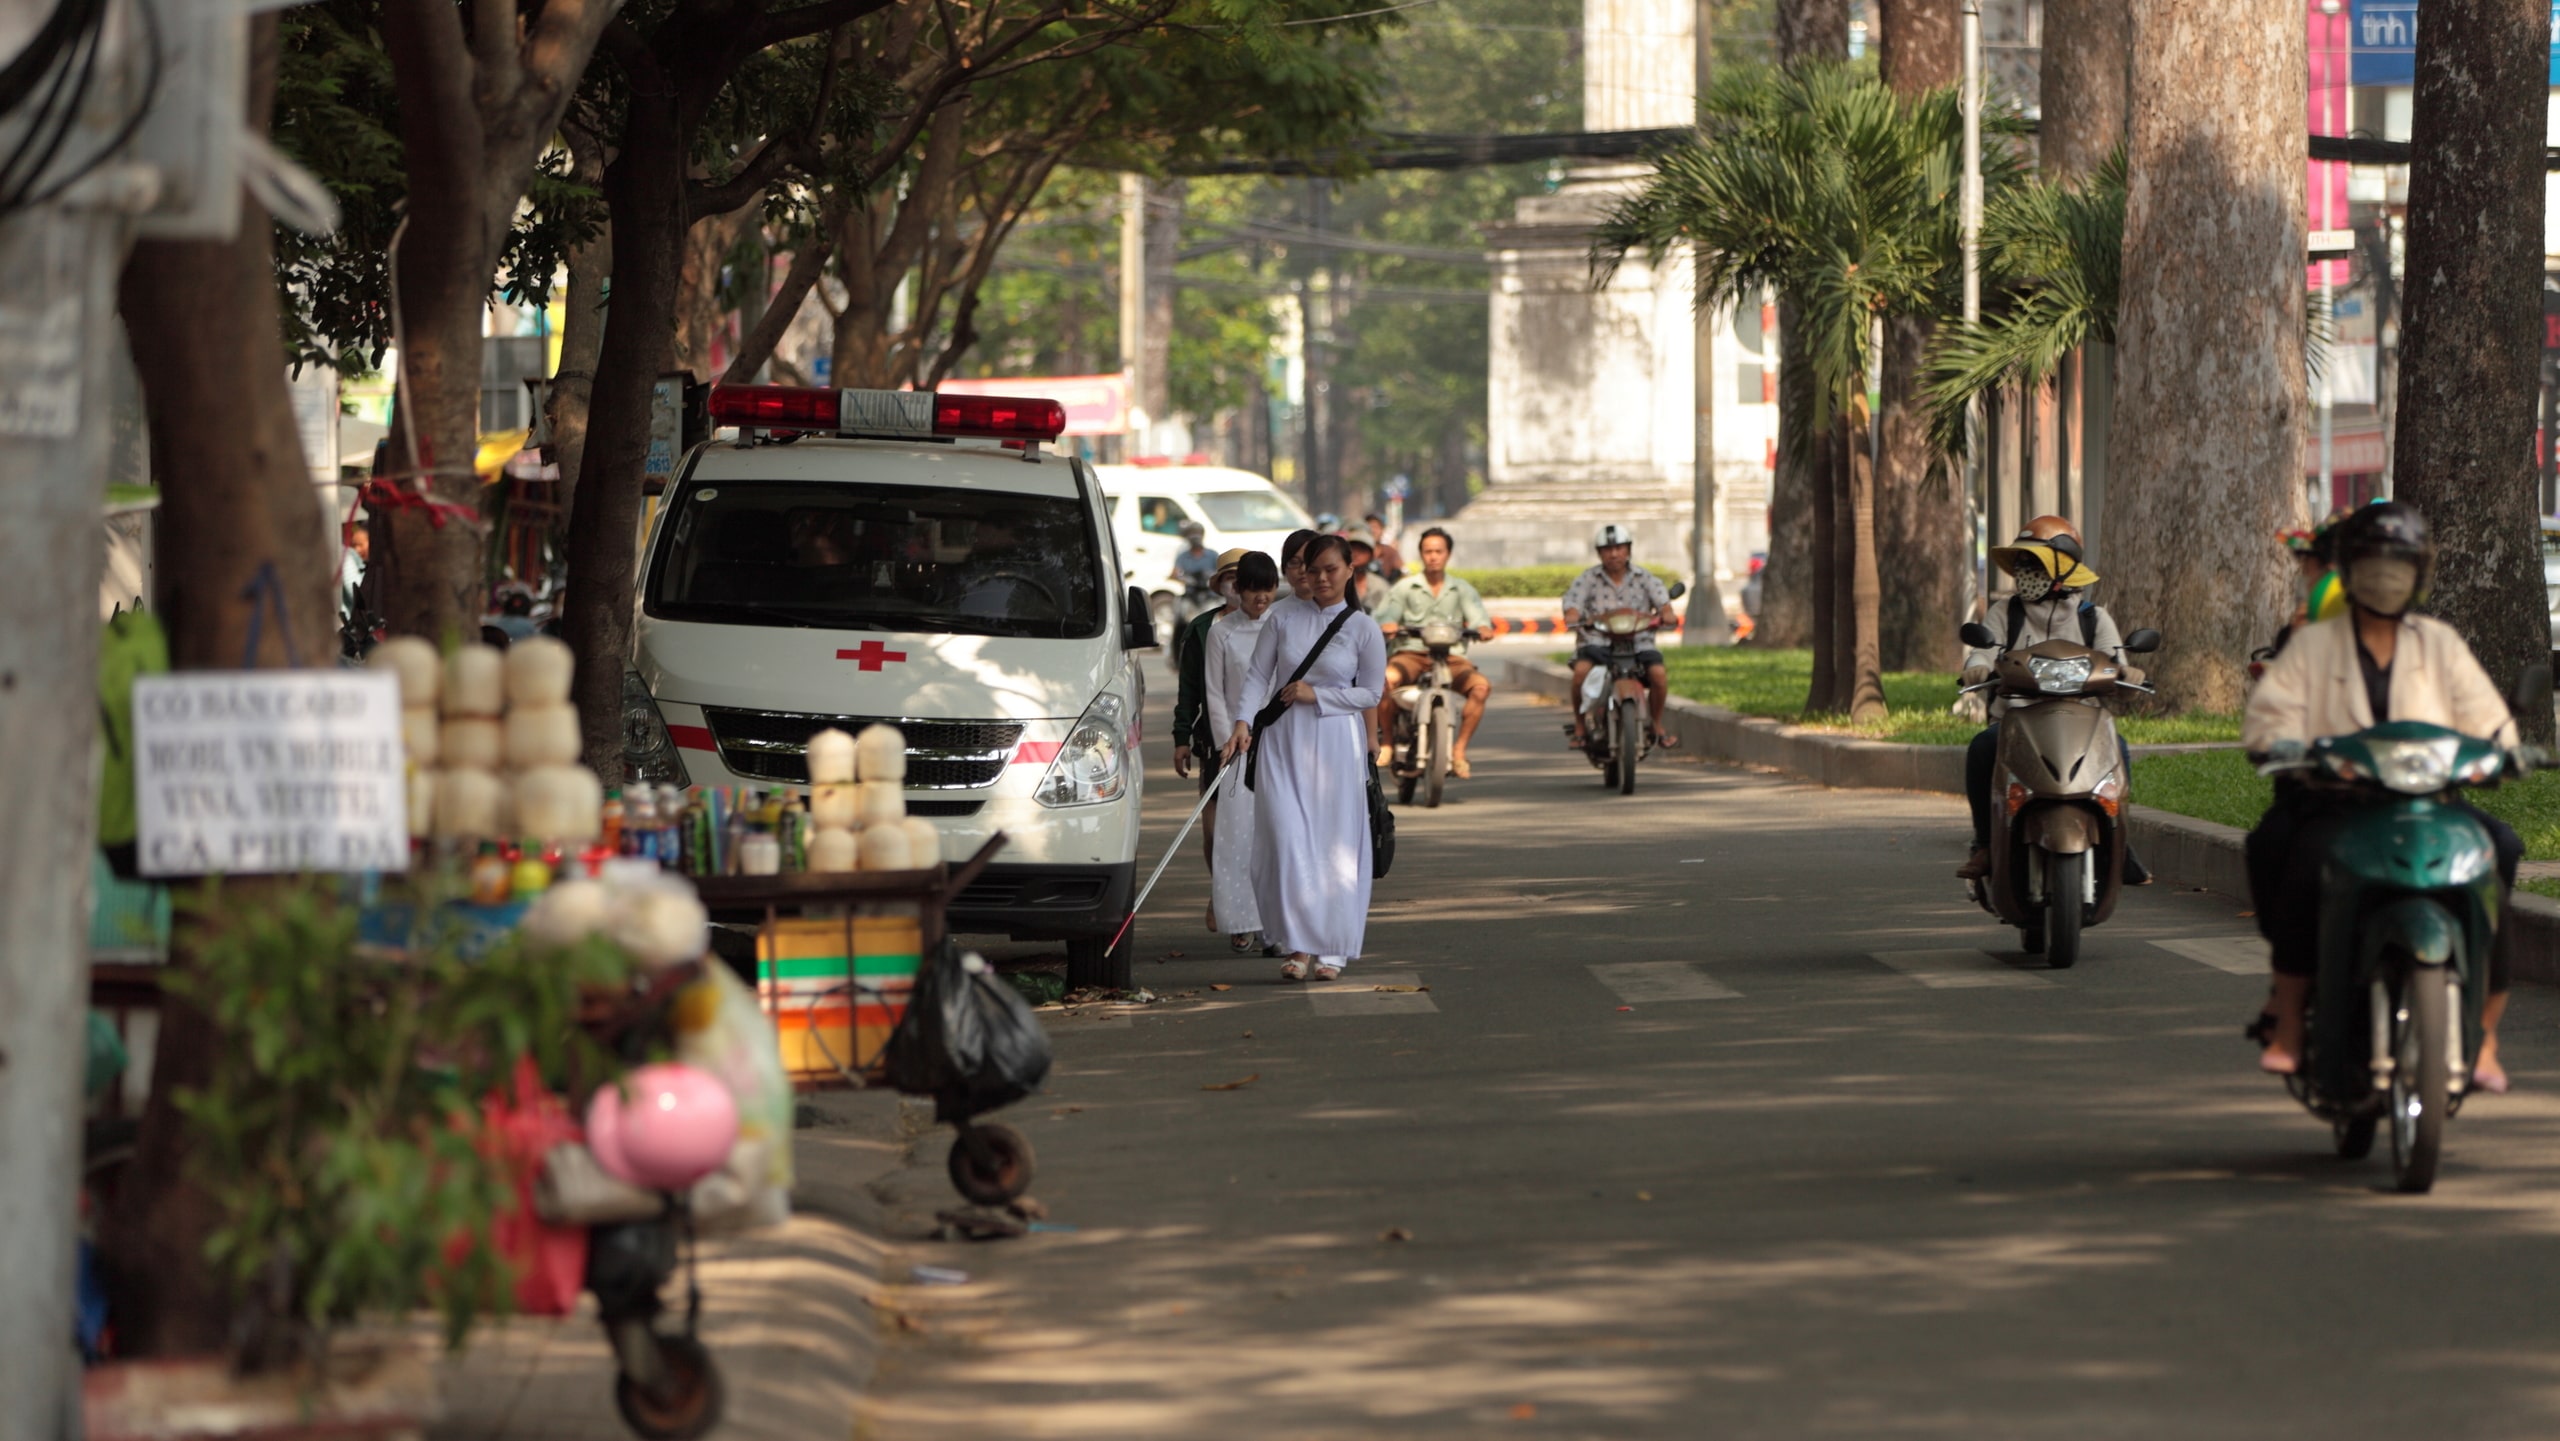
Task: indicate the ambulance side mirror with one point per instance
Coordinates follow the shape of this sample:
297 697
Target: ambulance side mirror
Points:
1137 622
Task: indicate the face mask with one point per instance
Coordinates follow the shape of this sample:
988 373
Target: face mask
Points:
1226 589
2034 584
2383 584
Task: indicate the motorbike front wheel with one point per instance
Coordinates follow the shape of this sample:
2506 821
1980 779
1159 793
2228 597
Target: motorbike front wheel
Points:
2063 875
1630 745
2421 1074
1441 738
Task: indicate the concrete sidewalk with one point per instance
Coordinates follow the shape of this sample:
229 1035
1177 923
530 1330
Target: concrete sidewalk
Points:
789 1313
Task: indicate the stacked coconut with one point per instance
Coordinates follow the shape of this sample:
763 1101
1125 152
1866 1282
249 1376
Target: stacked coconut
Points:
493 742
858 805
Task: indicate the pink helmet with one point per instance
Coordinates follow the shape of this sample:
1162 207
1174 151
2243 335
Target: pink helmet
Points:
674 1127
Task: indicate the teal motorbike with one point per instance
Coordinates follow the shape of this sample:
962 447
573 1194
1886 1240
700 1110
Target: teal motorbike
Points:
2409 905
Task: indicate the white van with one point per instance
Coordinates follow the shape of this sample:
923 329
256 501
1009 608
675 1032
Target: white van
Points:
1150 503
852 557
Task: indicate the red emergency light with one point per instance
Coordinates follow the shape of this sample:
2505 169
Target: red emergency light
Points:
921 414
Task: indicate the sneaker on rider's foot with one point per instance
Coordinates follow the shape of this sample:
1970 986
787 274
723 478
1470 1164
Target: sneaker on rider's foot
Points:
1976 866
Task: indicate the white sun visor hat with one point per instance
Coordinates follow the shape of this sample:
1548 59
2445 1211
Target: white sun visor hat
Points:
1612 534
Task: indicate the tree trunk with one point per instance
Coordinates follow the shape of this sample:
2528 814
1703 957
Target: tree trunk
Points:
645 191
2469 336
234 485
1864 693
1820 500
590 267
1792 578
1922 539
699 311
427 566
2082 78
1165 200
1840 460
1921 47
1812 29
2207 463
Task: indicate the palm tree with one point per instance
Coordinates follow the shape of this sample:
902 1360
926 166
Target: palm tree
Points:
1821 184
2053 258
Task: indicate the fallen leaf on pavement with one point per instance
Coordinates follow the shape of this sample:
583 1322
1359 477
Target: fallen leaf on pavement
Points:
1066 1110
1626 1008
1217 987
2244 915
1525 1411
1395 1233
1234 1085
1248 1035
1173 955
1644 1195
1399 988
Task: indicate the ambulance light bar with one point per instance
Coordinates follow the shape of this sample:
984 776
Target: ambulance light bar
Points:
922 414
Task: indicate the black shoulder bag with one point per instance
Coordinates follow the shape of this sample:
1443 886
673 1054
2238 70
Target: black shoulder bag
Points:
1382 821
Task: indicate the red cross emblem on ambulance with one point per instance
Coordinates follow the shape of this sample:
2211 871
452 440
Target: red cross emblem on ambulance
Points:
871 655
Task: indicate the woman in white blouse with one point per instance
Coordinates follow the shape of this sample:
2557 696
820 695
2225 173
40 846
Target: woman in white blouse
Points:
1232 638
1311 810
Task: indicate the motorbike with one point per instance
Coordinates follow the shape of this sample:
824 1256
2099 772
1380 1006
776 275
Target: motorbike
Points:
1425 728
1617 720
2409 906
2057 812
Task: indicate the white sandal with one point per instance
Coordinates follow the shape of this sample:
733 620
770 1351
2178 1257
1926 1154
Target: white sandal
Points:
1293 969
1328 973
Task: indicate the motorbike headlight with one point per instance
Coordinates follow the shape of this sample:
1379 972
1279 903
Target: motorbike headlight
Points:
1439 632
2414 768
1406 695
648 752
1093 765
2059 677
1626 623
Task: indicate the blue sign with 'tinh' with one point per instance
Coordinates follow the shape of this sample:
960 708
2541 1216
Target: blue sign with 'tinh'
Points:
2384 34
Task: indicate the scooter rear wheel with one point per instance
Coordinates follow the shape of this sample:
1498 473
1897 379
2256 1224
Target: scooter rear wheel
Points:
1441 737
688 1399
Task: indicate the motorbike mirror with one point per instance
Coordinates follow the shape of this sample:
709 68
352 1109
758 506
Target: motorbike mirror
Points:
1138 623
1974 633
1679 588
2143 641
2533 690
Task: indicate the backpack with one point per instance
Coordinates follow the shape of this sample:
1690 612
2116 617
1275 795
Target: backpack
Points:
2018 622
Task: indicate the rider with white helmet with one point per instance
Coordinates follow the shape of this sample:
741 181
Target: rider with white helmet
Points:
1617 584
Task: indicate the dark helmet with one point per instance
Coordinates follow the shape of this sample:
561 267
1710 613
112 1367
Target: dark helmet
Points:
2385 528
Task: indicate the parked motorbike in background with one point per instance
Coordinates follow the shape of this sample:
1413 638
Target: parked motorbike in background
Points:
1425 732
1617 720
2057 791
2409 907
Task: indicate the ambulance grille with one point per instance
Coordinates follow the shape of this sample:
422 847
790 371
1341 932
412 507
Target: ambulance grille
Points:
941 755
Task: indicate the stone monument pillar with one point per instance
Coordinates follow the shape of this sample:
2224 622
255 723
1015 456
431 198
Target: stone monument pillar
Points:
1591 404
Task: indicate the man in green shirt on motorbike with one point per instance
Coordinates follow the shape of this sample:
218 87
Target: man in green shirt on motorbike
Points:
1418 599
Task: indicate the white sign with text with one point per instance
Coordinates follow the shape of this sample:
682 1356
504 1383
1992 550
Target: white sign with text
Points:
260 772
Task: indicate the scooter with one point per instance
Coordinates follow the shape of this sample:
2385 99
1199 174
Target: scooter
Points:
2057 812
1425 730
2409 907
1616 701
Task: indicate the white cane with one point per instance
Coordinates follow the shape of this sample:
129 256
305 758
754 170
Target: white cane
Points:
1175 849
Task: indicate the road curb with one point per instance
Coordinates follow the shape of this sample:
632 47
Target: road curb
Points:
2180 850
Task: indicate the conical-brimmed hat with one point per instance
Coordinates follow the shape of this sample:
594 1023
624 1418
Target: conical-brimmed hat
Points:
2061 561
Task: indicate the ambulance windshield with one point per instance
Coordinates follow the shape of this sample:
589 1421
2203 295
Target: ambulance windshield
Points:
914 559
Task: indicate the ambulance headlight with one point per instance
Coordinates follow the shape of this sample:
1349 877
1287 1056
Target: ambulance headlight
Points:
1093 765
648 751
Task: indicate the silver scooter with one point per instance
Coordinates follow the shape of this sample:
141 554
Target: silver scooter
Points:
2057 790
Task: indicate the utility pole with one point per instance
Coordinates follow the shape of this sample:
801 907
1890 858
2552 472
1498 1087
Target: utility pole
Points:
1315 432
1705 619
1970 228
1133 305
59 258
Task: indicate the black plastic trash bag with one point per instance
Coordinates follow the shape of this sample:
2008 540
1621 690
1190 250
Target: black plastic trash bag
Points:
968 1039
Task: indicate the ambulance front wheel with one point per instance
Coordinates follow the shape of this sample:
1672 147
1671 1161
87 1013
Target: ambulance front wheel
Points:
1093 963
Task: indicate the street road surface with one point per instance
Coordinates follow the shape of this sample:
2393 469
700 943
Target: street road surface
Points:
1723 1115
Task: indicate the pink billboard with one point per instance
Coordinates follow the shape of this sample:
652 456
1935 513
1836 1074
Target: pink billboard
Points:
1096 404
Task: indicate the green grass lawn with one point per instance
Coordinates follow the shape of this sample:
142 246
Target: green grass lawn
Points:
2222 786
1773 682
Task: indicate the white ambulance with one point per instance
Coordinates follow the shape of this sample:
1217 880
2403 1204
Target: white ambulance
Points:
844 558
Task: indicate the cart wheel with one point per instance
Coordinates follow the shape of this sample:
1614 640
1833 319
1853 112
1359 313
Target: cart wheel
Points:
690 1394
999 1172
